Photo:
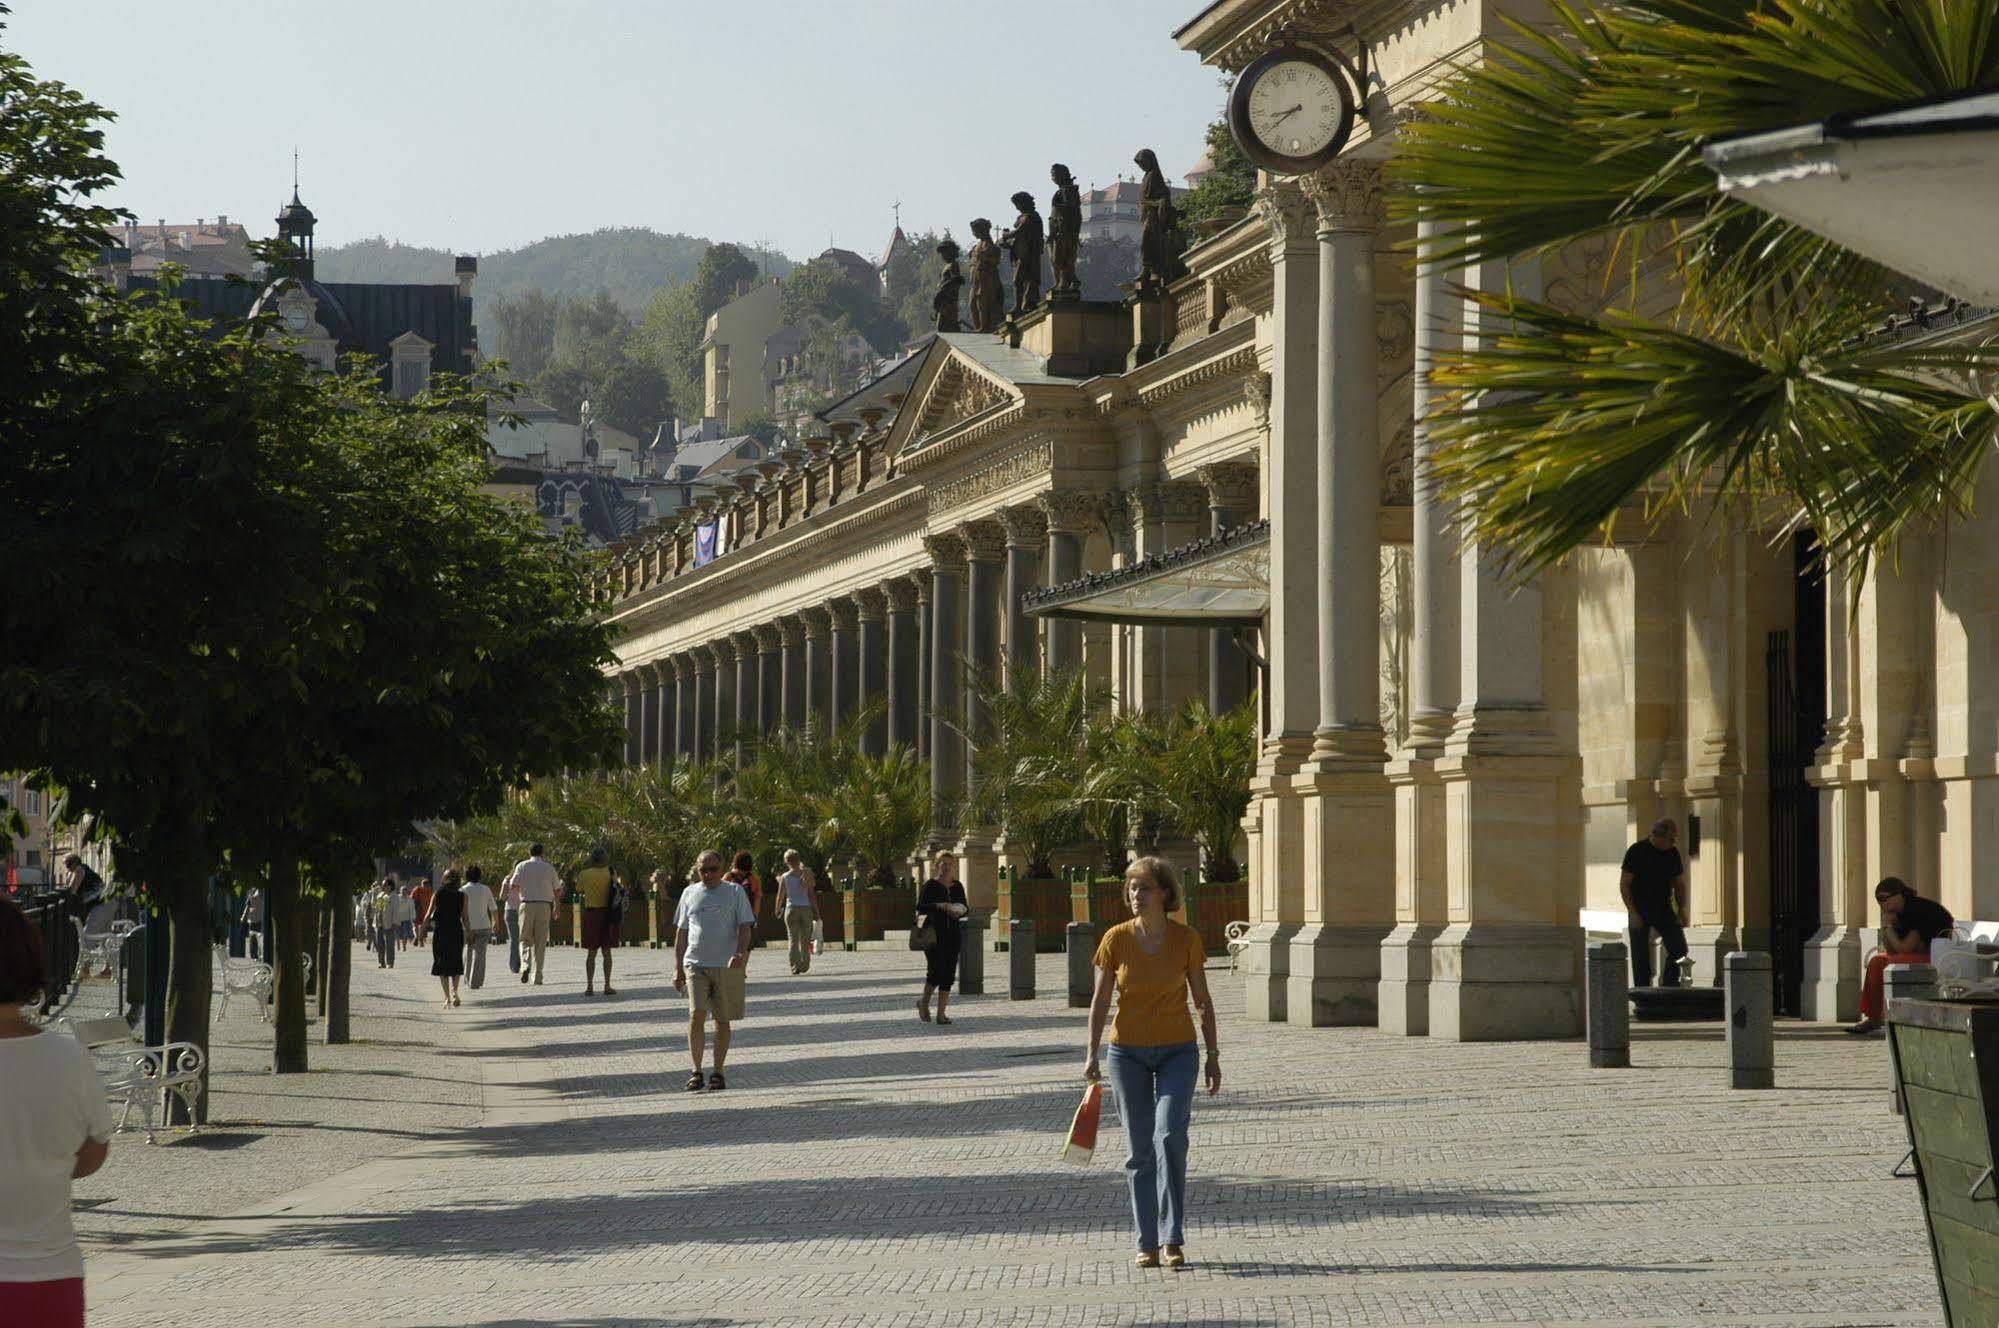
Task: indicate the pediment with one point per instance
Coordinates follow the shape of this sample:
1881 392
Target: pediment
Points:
952 387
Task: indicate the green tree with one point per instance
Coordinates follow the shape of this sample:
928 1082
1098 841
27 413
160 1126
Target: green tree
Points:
1760 385
724 268
1030 759
821 290
1223 195
524 328
880 812
634 395
589 326
1204 777
669 336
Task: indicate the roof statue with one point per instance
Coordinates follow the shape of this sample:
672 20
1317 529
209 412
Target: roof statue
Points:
1065 234
949 283
1158 251
1024 242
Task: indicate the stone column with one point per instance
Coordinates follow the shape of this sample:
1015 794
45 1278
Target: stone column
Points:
770 677
1068 512
985 548
905 697
926 632
1714 784
1026 532
871 609
947 748
724 737
648 714
1420 871
1231 487
844 693
1508 964
629 695
1290 633
818 663
1349 905
1183 518
704 702
1846 914
792 668
745 715
684 727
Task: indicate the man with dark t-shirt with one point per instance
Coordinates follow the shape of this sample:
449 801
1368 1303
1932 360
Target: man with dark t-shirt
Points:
1654 887
1909 923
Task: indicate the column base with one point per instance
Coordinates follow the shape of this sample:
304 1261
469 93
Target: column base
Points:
1708 947
1493 982
978 868
1335 977
1831 990
1265 967
1404 997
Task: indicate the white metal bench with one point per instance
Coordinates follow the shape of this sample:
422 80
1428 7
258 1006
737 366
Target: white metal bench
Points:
242 977
1236 939
141 1076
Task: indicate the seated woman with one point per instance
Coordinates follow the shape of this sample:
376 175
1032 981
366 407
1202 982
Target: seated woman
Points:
1909 923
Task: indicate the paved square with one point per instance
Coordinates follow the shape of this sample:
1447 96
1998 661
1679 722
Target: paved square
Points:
867 1169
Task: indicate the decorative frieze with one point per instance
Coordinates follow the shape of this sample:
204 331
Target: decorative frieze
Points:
1032 462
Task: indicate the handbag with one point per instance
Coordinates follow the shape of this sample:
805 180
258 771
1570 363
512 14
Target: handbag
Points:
614 907
924 935
1081 1144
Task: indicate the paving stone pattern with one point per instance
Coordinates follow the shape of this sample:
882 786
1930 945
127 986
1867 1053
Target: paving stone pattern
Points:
864 1168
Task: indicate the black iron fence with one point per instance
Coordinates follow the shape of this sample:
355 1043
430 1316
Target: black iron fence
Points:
50 914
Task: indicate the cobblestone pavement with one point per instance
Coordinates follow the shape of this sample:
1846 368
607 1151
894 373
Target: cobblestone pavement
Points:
867 1169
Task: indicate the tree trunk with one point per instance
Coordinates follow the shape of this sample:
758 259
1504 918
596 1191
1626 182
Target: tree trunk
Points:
340 958
288 942
190 978
322 954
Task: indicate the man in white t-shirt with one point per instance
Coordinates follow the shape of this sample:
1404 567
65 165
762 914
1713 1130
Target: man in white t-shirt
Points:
540 888
480 910
712 927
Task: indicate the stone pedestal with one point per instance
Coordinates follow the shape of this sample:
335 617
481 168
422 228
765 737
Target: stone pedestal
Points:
1079 337
1335 975
1832 975
978 869
1420 894
1406 969
1751 1049
1349 824
1609 1006
1265 966
1709 948
1495 982
1151 323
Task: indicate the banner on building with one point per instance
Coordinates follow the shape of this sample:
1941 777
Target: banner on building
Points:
704 543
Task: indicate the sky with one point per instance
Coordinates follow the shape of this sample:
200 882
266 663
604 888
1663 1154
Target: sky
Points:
477 125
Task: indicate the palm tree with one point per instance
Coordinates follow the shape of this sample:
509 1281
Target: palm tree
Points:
1030 758
1762 383
1205 781
1122 795
878 814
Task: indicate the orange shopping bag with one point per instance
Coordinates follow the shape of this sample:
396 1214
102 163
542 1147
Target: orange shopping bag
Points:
1083 1129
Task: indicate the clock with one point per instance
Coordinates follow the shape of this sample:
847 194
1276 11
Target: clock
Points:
1292 109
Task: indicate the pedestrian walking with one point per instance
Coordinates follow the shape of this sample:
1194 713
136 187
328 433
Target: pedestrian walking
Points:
539 887
481 911
382 906
1152 965
405 918
593 889
510 894
941 906
798 895
420 896
55 1127
446 930
1653 885
252 922
743 871
712 926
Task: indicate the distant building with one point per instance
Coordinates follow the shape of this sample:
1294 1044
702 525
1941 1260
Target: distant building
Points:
203 248
736 383
1111 213
411 331
897 244
28 862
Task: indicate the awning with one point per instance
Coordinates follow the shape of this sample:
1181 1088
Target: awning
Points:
1221 581
1913 187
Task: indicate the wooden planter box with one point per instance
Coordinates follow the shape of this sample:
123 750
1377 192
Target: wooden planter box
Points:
1046 903
1099 901
637 927
865 914
1211 908
832 917
1946 1056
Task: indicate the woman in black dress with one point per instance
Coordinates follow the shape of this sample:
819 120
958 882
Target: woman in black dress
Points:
447 936
941 905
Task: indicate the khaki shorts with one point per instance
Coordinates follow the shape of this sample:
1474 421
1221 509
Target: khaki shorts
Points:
716 991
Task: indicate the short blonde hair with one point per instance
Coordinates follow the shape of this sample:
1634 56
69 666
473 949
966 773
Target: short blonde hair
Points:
1162 874
942 855
791 858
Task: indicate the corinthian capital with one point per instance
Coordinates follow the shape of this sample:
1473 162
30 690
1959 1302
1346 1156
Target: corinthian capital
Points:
1346 195
1070 511
1286 212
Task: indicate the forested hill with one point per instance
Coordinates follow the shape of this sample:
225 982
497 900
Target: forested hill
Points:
631 262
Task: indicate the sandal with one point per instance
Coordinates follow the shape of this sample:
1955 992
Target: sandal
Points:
923 1010
1175 1257
1146 1259
942 1019
715 1080
695 1083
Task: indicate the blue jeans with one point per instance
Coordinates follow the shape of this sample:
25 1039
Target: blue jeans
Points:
1155 1097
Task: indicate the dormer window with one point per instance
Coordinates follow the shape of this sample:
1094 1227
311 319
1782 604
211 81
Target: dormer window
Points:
409 366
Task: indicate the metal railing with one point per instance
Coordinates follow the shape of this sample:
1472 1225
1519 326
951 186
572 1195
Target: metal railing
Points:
61 947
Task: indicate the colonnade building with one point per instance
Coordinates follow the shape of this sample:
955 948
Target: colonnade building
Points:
1453 762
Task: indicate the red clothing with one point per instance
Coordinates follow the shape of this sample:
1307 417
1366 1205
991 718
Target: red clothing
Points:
1873 1001
422 896
751 887
57 1304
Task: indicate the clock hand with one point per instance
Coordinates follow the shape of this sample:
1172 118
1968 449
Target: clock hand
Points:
1293 111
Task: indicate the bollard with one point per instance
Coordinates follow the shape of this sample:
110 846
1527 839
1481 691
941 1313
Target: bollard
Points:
972 955
1751 1054
1020 959
1905 982
1609 1006
1082 947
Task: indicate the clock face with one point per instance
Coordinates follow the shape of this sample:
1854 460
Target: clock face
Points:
1292 109
1295 108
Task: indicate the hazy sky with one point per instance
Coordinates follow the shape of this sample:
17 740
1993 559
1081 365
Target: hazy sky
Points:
482 124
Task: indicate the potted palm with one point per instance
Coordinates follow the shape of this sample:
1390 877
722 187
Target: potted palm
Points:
1204 783
876 817
1121 801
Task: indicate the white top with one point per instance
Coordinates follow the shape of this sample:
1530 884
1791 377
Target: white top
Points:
536 879
479 906
797 894
714 916
51 1100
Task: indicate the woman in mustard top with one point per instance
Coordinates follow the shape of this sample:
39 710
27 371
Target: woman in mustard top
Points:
1153 965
